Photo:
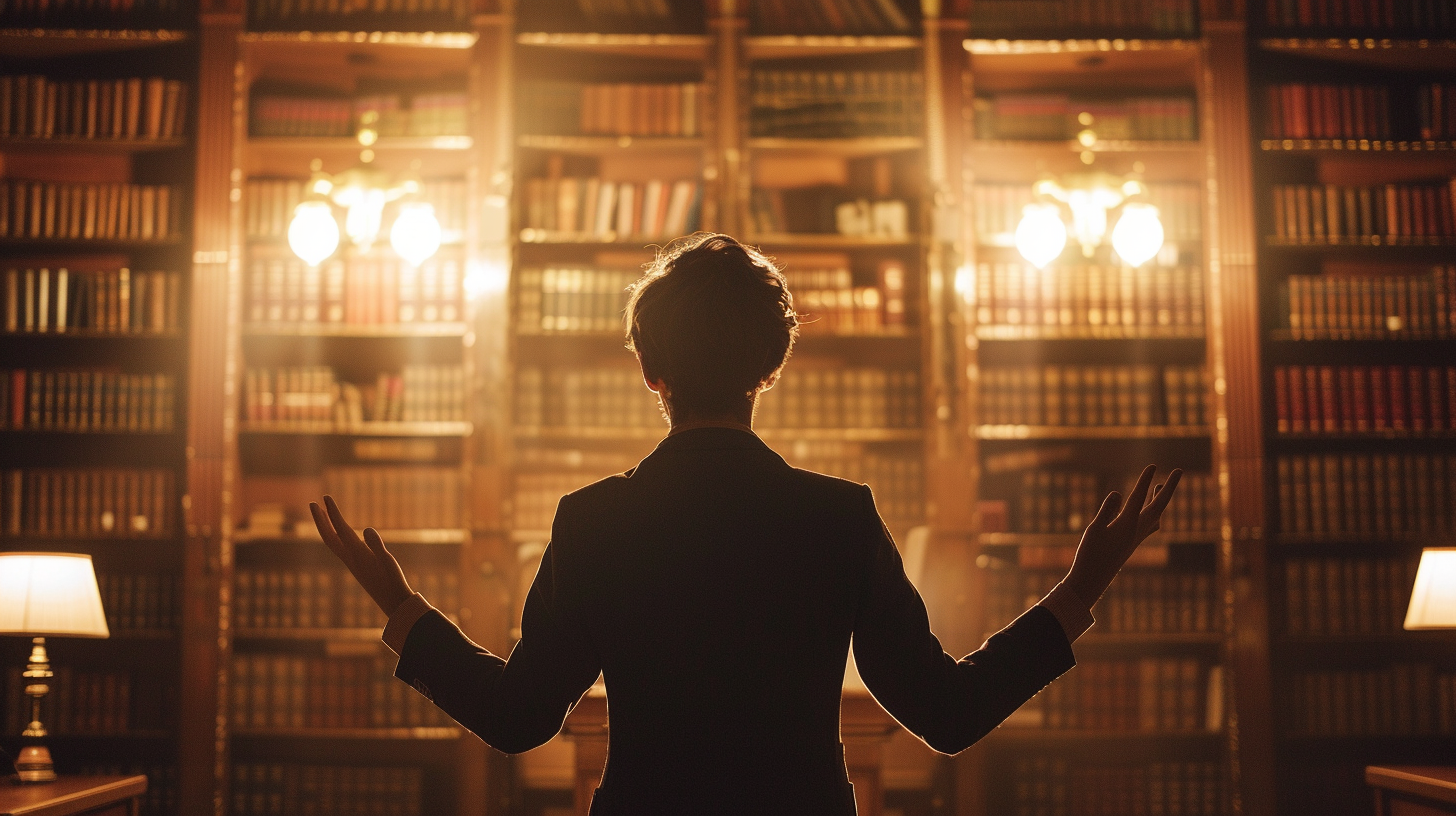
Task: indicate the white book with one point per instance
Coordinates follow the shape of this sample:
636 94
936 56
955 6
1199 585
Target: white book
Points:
651 206
606 205
677 208
626 209
30 300
43 300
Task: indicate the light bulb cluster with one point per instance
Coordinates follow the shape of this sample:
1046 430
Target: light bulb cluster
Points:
1041 235
314 234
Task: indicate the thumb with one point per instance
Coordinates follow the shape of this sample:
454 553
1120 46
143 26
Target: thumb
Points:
376 544
1110 507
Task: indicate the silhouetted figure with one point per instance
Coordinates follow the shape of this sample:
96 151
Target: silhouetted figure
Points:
717 589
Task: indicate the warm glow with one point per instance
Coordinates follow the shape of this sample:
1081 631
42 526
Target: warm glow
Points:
1041 236
487 277
1139 234
1433 601
44 594
364 213
416 232
313 234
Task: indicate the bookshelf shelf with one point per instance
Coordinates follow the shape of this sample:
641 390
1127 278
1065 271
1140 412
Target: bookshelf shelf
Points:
1061 146
382 330
1079 56
1072 539
1381 52
363 634
385 144
69 42
1429 539
604 145
1085 432
85 244
1382 435
864 146
419 733
1369 241
780 46
87 334
454 40
1013 332
787 434
1288 336
57 144
440 536
828 240
530 235
660 46
1344 147
1030 735
363 429
810 338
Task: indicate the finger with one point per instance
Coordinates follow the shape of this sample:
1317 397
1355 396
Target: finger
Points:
376 544
346 533
1108 511
1165 491
326 531
1139 495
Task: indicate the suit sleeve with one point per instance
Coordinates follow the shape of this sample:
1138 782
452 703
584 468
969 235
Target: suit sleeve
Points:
518 703
948 703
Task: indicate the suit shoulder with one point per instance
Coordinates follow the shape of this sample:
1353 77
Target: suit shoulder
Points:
594 494
829 487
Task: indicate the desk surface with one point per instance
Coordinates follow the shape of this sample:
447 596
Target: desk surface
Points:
1429 781
68 795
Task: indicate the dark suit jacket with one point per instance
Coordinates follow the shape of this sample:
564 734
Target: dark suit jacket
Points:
717 590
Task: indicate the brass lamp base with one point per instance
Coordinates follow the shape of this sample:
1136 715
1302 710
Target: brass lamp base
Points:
34 764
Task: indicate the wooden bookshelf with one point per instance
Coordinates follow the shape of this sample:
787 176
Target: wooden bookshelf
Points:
138 552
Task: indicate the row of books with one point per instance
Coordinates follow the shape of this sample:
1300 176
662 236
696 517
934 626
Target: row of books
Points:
268 205
572 299
1149 602
87 401
1346 596
849 397
83 14
378 15
1148 694
996 210
1423 17
1084 18
1120 396
1041 116
326 790
1364 399
37 107
88 503
399 498
89 701
1402 699
836 104
576 398
1436 109
898 481
830 17
613 109
313 394
1065 502
1115 300
1057 786
1388 213
1366 495
280 691
139 601
46 210
116 301
354 291
613 210
829 302
1367 307
287 599
444 113
1302 110
827 209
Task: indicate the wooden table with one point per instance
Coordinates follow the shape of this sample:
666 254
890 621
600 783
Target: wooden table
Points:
1413 790
74 796
863 727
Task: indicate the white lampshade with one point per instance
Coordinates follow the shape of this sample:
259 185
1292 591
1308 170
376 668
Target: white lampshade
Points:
416 232
44 594
313 234
1139 233
1041 236
1433 601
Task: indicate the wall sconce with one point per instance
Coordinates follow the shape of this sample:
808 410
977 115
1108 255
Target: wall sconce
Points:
362 192
1042 233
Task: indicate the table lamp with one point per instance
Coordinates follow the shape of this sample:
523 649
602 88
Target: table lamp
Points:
41 595
1433 600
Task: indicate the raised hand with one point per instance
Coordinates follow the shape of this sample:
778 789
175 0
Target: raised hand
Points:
1116 531
372 565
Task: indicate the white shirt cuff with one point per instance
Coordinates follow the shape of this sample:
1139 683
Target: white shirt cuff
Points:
405 616
1070 610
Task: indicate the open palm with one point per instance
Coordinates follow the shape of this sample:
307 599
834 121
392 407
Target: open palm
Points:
1116 532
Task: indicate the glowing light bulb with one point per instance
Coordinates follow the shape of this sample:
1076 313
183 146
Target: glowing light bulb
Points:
313 234
1139 233
1041 236
416 232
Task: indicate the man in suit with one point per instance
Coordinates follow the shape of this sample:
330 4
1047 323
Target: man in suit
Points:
718 590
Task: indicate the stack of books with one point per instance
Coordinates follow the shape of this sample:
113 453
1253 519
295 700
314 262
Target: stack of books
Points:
59 211
1372 496
143 108
88 503
117 301
1364 399
1369 307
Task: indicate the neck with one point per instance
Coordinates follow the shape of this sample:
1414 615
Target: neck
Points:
740 420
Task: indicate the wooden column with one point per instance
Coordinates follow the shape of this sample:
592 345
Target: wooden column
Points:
1234 354
211 421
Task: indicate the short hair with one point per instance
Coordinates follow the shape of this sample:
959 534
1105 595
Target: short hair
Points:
712 319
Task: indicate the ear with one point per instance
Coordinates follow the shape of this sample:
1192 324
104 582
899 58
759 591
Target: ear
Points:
654 383
771 380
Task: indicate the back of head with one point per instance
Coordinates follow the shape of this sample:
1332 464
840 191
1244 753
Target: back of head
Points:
713 320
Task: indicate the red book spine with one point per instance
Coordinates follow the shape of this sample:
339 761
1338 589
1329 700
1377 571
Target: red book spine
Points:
1440 411
1451 397
1348 398
1281 399
1379 403
17 399
1360 386
1297 422
1419 421
1329 407
1312 412
1399 409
